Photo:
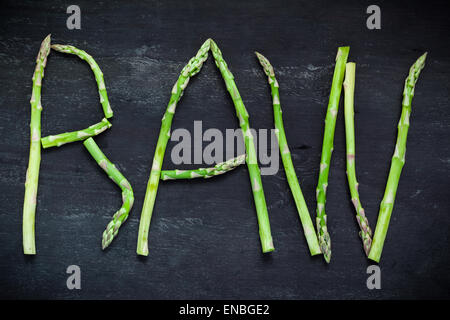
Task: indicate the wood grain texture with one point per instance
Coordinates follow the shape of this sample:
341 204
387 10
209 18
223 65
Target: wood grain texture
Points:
210 249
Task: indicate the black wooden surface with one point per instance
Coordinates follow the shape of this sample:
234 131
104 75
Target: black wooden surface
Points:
204 239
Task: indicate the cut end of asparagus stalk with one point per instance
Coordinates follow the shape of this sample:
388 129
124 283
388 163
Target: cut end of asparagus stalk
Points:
327 149
374 256
60 48
342 50
267 245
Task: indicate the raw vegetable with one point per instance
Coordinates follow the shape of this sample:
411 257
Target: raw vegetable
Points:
32 176
349 91
327 149
205 173
97 72
398 160
302 208
127 192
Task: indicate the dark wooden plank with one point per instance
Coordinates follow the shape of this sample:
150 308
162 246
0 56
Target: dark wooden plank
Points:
204 240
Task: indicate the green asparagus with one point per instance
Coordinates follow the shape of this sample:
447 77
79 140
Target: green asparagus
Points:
251 159
398 160
349 91
97 72
327 149
67 137
218 169
302 208
32 176
127 192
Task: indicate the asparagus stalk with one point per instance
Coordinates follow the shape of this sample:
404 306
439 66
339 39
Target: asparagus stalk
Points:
327 149
251 159
192 68
127 192
32 176
67 137
218 169
302 208
398 160
97 72
349 91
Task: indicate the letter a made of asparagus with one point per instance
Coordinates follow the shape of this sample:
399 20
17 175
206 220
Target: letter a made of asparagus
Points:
32 176
349 91
327 149
302 208
192 68
127 192
398 160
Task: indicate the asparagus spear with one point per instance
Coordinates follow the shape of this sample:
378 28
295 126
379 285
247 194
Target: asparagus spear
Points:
32 177
192 68
97 72
398 160
251 159
302 208
349 90
218 169
327 149
127 192
67 137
